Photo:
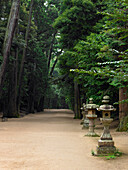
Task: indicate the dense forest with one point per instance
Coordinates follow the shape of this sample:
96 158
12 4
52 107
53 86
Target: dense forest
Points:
58 54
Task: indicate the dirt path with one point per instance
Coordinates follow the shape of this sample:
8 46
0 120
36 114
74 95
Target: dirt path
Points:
53 140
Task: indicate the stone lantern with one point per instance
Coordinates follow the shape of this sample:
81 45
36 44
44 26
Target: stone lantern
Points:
86 120
106 144
83 113
91 116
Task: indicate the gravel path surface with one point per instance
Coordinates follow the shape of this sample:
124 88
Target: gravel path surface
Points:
53 140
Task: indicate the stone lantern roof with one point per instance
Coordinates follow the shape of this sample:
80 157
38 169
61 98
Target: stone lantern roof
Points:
106 106
91 105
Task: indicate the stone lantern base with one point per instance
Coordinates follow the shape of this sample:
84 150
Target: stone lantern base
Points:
91 125
106 144
105 150
105 147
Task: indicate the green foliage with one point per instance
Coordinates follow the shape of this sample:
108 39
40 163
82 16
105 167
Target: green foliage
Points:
116 154
92 152
116 30
76 21
108 48
92 77
110 157
100 61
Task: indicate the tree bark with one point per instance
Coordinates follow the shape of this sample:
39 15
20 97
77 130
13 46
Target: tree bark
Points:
23 57
52 69
51 49
11 26
11 110
41 105
10 102
123 107
77 101
31 90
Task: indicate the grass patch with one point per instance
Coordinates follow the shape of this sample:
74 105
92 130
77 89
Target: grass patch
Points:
92 152
116 154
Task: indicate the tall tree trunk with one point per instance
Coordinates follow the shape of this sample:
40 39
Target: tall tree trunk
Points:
52 69
123 107
11 26
23 57
11 112
51 49
16 79
41 105
77 100
31 90
12 109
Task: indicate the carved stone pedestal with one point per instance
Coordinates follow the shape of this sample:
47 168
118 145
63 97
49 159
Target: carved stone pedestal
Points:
86 120
83 113
106 144
85 123
91 125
